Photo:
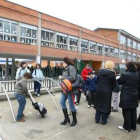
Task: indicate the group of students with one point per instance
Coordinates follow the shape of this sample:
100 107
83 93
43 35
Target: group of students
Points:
100 90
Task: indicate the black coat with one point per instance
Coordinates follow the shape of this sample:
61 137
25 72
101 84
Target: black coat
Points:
129 94
106 82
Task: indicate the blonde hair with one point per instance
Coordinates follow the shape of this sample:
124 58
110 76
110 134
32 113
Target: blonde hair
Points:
109 65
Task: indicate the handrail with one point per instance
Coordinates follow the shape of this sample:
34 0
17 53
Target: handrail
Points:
14 119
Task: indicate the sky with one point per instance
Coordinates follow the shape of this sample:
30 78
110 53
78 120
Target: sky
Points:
91 14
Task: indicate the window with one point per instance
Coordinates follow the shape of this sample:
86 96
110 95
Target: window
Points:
73 43
129 42
123 54
135 44
8 30
134 56
112 51
138 46
93 47
106 49
28 34
123 40
84 46
61 41
47 38
100 49
129 55
116 52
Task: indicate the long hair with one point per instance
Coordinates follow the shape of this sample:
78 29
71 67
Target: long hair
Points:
137 64
131 67
68 61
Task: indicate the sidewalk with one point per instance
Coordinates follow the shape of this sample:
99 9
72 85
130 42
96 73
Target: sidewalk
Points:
49 128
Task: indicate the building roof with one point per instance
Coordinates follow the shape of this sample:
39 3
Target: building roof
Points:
119 30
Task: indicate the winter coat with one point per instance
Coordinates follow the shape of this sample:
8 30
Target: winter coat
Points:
129 93
139 85
85 73
38 74
20 72
106 82
21 86
91 84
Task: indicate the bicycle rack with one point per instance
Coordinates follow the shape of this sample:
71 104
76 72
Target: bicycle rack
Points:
14 119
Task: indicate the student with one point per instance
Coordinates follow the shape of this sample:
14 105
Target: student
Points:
20 92
91 87
115 94
21 70
37 74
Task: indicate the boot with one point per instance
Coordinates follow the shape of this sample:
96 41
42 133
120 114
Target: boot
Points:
66 120
74 122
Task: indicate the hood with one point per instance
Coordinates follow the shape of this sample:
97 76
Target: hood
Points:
106 72
20 78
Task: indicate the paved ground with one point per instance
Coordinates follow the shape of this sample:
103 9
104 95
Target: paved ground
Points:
49 128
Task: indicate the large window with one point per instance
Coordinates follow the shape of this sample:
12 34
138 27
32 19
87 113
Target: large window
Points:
129 42
47 38
28 34
8 30
123 54
123 40
93 47
84 46
134 57
116 52
138 46
129 55
100 49
73 43
135 44
107 51
61 41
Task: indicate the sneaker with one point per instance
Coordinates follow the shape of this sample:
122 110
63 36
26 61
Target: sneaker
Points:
35 92
113 110
69 112
88 106
84 96
38 95
77 103
92 105
121 128
21 120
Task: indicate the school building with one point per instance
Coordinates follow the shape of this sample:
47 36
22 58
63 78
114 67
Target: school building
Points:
29 34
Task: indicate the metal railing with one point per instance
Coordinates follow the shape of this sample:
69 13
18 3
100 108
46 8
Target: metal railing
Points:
48 82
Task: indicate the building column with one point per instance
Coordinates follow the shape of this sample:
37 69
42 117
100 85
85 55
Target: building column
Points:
96 48
13 69
88 47
6 69
79 44
68 42
18 31
55 39
38 57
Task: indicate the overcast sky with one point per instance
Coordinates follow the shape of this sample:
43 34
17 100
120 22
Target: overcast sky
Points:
91 14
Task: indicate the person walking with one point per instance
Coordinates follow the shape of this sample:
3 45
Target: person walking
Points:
21 70
129 96
91 83
38 75
106 82
84 75
70 74
115 94
20 92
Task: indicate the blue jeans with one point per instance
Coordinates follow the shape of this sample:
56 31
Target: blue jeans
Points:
98 116
71 101
37 87
22 102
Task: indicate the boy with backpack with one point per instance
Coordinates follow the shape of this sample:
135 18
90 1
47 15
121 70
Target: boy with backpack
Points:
91 83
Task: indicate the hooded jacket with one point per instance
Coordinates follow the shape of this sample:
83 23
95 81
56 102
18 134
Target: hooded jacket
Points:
38 74
92 84
106 82
85 73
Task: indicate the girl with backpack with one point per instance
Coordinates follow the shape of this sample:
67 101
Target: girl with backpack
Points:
69 73
37 74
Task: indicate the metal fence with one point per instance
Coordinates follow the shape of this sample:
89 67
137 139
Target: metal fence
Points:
48 82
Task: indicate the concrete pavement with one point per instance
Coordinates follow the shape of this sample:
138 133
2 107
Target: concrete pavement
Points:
49 128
